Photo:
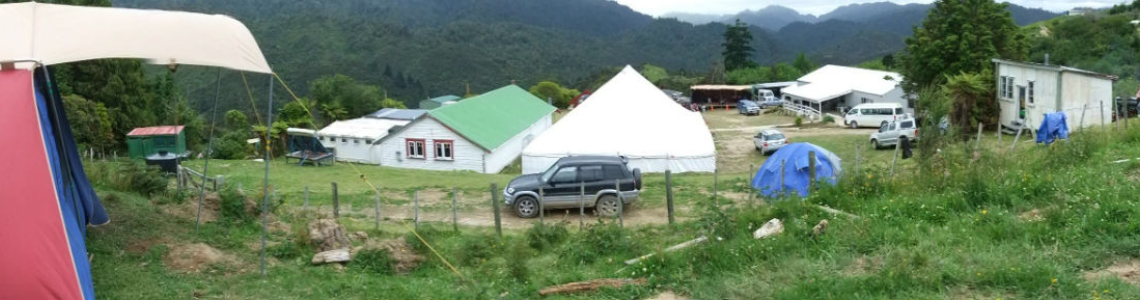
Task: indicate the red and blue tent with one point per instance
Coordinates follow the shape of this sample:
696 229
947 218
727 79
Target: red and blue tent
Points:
46 201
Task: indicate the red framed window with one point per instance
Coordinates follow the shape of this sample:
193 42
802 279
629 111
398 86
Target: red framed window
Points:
444 149
415 148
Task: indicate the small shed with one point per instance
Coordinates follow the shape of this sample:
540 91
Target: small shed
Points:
147 141
436 102
1027 91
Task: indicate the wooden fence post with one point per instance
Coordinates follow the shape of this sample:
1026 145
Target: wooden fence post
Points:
783 163
621 203
669 194
716 200
455 209
495 205
336 201
541 209
1017 137
977 141
857 153
377 210
1083 109
1101 114
894 160
416 209
582 206
751 177
811 170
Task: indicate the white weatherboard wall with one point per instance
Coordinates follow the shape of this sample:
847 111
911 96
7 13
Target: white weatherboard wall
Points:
508 152
1076 90
353 139
393 149
468 156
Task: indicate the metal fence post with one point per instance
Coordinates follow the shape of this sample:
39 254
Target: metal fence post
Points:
669 194
495 205
306 204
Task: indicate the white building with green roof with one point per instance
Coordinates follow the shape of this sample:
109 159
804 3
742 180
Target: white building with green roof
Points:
484 133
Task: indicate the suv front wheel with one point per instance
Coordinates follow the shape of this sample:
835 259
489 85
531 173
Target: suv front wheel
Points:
608 206
526 207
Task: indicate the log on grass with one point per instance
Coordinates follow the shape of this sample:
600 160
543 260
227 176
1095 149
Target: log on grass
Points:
590 285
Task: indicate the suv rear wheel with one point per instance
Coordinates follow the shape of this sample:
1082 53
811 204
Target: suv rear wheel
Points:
526 207
608 206
875 143
854 125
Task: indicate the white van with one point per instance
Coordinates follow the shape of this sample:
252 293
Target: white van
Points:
873 114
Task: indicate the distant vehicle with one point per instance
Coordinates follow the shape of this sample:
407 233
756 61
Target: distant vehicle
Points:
893 132
763 95
769 140
1132 105
747 107
562 186
873 114
774 102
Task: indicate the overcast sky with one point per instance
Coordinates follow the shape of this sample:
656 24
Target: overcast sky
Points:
815 7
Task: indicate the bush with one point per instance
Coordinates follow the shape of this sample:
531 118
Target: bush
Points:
128 177
477 249
375 261
597 241
799 121
232 207
543 236
286 250
828 119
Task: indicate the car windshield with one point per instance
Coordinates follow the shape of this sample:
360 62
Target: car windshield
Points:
549 173
775 136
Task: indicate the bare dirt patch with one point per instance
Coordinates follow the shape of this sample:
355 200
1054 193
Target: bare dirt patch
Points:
668 295
193 258
863 265
188 209
399 250
1034 215
1127 271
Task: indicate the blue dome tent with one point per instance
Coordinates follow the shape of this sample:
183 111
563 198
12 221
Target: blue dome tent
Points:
796 175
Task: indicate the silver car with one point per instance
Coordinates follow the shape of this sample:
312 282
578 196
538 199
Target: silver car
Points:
769 140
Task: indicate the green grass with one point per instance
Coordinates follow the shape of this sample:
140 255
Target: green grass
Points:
947 229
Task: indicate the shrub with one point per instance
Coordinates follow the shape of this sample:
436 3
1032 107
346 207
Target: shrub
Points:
232 206
544 236
477 249
828 119
599 240
286 250
376 261
799 121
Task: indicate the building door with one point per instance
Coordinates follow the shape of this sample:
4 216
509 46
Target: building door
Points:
1021 103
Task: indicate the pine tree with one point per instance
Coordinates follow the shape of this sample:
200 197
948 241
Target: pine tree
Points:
737 47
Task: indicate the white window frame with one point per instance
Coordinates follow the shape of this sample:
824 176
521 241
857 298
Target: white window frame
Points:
1030 87
415 148
450 149
1002 85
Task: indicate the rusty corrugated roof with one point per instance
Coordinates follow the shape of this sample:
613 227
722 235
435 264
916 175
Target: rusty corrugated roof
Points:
156 130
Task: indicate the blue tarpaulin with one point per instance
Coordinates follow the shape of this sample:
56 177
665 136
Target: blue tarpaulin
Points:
794 157
1055 126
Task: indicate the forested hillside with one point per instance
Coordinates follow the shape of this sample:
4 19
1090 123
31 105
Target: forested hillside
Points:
415 49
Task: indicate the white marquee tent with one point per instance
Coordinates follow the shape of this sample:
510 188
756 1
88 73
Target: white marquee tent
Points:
631 117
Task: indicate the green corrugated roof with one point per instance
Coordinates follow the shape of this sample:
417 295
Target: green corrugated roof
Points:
442 99
494 117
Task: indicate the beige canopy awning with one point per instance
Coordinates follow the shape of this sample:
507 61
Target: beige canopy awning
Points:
55 34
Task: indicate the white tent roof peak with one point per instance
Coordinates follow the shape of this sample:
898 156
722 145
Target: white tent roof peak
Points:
56 34
628 116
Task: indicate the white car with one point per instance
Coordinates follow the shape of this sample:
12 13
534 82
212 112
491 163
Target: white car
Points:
769 140
873 114
893 132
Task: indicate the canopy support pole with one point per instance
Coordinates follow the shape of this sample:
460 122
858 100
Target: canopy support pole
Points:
209 150
265 186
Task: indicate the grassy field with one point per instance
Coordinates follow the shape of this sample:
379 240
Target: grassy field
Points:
1057 222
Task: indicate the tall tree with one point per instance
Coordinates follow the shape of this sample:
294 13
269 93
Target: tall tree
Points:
558 95
960 36
968 93
737 47
803 64
889 61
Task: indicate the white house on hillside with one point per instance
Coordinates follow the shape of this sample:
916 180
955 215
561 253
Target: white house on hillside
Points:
484 133
835 88
1038 89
